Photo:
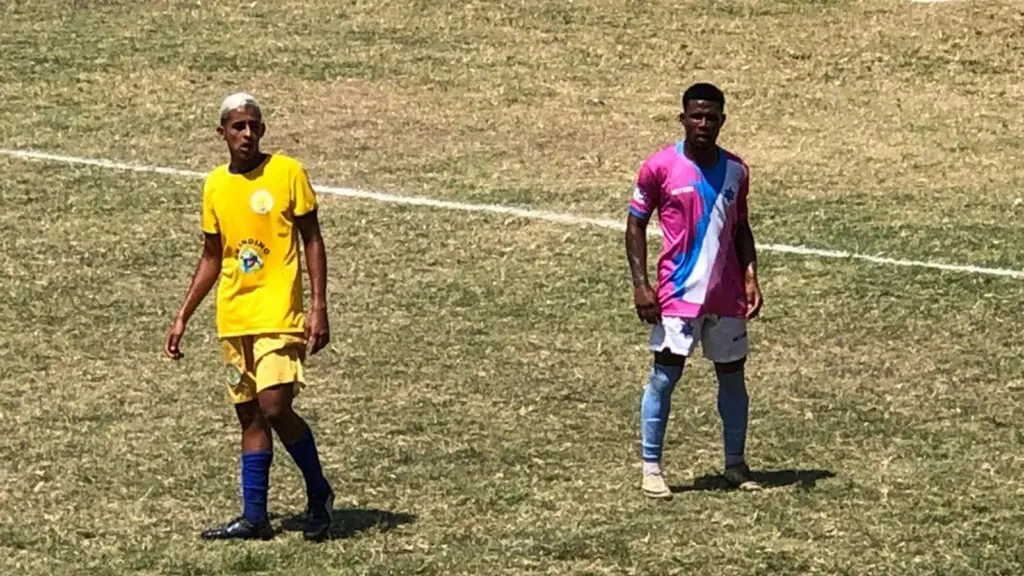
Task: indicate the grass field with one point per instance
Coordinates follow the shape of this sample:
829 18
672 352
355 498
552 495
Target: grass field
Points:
477 410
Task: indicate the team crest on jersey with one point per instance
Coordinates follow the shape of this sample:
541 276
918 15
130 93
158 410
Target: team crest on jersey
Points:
683 190
250 260
261 202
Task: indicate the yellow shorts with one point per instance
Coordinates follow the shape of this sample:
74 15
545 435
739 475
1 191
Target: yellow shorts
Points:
255 363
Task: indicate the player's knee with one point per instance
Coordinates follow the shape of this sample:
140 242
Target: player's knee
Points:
276 403
249 416
253 425
274 410
664 378
730 367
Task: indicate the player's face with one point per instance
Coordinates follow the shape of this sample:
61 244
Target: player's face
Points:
702 121
242 131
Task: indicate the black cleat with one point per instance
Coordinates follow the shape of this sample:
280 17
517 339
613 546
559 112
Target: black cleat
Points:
240 529
319 516
740 477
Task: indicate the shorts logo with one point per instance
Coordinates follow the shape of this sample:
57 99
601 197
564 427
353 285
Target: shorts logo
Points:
686 329
232 375
261 202
250 260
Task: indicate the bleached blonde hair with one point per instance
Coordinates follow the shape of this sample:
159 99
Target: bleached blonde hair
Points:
238 101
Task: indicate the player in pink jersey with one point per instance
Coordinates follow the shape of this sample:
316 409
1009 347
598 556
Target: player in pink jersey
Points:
707 286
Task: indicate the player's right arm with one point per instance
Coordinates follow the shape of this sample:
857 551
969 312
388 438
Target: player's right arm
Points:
641 206
203 278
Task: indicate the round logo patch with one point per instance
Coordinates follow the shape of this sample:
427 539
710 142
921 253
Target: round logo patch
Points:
250 260
232 375
261 202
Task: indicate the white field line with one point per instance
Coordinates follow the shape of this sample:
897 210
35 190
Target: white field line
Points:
558 217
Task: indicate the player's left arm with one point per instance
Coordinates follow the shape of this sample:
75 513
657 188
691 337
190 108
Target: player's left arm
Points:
746 253
318 331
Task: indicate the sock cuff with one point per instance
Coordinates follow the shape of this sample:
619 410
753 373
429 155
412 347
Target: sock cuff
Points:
258 455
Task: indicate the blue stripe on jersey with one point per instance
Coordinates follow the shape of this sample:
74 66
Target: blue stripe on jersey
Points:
709 188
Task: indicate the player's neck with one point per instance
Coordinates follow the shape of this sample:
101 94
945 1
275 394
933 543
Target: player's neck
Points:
703 157
243 165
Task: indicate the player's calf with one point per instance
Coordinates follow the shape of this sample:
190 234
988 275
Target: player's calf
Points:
298 439
733 407
655 406
257 456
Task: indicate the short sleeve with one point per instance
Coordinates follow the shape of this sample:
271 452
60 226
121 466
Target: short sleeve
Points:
646 193
210 223
303 197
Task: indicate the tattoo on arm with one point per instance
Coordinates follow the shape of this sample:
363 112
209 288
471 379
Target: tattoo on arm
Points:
636 250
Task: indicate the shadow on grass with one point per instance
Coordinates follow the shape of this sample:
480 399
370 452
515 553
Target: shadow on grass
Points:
805 479
351 521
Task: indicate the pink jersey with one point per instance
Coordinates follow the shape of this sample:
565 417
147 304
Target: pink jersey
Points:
698 210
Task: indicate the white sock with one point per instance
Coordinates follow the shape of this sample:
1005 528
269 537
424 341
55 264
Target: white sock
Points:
651 468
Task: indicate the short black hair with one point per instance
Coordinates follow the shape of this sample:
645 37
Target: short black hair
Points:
703 91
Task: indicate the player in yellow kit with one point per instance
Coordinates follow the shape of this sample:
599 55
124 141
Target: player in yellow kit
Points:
257 209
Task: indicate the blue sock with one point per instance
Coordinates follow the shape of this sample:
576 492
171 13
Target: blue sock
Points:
654 409
255 485
304 453
733 403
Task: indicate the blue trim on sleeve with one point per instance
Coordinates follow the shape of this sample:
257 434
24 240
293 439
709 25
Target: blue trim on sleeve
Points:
639 213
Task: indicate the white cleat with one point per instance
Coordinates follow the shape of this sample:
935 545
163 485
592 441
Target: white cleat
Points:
655 487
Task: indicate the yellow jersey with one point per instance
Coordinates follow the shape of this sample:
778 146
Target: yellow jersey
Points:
260 288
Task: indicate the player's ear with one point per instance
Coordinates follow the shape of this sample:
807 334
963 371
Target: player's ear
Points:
682 117
723 119
263 130
220 130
